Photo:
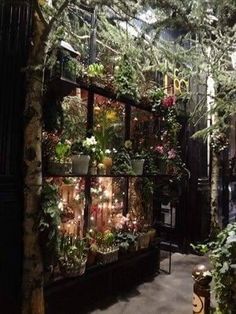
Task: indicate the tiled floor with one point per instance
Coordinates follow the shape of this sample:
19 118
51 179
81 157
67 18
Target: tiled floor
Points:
165 294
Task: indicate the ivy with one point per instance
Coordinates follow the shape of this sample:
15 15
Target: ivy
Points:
222 254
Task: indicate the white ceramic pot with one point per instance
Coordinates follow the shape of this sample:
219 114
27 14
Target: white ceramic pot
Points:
137 166
80 164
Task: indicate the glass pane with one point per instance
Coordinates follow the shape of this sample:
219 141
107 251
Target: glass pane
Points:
141 200
107 201
74 116
109 123
144 129
73 202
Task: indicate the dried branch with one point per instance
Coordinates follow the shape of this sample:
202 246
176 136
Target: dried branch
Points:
40 14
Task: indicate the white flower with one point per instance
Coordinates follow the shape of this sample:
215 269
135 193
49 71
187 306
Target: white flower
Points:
60 205
107 151
89 141
77 197
128 144
93 149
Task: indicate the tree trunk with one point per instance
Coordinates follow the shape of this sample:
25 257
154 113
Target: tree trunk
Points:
32 290
215 174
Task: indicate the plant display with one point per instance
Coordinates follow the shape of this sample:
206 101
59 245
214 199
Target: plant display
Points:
62 151
89 146
106 241
95 70
49 142
74 112
125 240
72 255
125 78
108 124
122 163
49 221
150 164
222 254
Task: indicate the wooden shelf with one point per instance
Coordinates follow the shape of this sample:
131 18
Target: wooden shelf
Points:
69 175
99 90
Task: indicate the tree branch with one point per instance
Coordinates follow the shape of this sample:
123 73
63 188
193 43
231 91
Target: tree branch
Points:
54 19
40 14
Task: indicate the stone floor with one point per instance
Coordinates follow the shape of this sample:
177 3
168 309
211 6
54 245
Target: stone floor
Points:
165 294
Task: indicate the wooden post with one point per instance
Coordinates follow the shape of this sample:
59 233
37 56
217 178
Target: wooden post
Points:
201 289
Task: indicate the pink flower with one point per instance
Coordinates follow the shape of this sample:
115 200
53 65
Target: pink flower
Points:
171 154
168 101
159 149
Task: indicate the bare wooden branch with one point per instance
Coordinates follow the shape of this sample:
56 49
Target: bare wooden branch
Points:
40 14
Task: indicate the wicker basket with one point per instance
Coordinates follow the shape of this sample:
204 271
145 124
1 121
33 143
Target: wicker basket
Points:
144 240
73 272
108 257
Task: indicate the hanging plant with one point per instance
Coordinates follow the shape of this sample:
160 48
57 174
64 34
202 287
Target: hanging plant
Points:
49 221
126 78
222 254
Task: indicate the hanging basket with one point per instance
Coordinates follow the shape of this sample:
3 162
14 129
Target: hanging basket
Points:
108 257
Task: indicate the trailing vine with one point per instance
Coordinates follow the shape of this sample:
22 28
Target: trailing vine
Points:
222 254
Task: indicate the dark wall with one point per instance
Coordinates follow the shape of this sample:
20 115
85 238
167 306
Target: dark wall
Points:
197 198
15 21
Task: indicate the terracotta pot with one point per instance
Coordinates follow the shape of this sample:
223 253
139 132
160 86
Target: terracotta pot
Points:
80 164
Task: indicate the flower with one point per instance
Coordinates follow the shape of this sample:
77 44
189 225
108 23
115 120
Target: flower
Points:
171 154
168 101
89 141
128 144
159 149
107 151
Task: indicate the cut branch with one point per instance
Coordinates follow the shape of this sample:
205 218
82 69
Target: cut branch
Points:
40 14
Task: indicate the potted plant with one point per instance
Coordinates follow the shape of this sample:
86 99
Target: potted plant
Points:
107 160
95 70
126 241
122 161
107 248
137 162
143 235
80 158
73 257
92 248
222 255
161 158
59 163
48 225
